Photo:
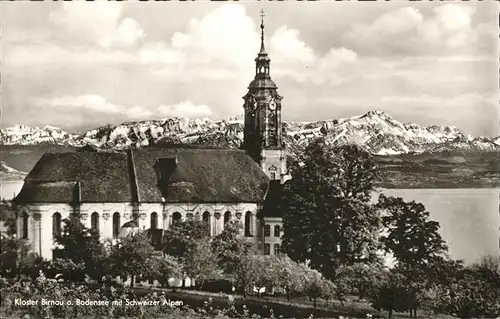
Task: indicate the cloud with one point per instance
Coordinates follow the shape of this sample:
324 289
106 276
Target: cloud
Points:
287 45
90 101
138 112
454 16
407 31
159 52
224 43
95 103
298 61
127 33
218 46
99 104
225 36
100 22
54 56
185 109
464 99
337 57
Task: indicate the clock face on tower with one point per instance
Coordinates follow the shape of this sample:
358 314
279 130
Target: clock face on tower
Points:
272 104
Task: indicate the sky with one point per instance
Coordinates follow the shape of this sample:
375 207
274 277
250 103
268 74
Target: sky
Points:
79 65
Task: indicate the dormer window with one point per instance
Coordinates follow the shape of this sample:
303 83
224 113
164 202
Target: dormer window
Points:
165 167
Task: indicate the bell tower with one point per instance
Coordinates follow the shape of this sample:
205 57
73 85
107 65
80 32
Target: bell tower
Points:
263 135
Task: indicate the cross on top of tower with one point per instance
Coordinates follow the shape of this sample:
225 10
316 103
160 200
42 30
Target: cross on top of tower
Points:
262 48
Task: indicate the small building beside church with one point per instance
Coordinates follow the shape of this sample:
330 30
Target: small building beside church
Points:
161 186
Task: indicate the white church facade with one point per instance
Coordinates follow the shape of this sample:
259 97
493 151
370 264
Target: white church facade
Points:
160 186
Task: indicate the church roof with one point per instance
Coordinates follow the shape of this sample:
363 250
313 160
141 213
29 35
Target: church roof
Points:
142 175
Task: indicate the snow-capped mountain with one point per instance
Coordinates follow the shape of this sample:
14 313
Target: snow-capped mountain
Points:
497 141
171 130
375 131
380 134
26 135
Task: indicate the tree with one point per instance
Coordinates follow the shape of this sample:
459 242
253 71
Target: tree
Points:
162 267
470 295
390 293
201 263
287 275
238 257
248 272
16 258
488 269
8 256
414 241
230 247
468 291
327 215
179 239
316 286
190 242
81 245
133 255
358 279
8 215
411 236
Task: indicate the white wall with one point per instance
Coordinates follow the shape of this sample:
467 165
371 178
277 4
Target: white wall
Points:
41 238
272 240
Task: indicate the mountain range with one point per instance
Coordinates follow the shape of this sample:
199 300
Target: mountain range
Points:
375 131
408 155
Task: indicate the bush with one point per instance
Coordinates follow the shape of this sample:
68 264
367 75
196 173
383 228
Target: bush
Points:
50 289
66 269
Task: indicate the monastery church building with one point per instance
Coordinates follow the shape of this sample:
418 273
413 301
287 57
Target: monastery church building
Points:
156 187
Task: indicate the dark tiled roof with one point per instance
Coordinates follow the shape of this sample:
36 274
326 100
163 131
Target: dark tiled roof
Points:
200 175
187 175
59 192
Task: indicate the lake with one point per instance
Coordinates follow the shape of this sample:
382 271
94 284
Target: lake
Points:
469 218
9 189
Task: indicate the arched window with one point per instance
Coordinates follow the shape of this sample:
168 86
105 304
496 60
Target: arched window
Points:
267 249
56 224
267 231
25 217
176 218
94 221
277 231
277 249
227 217
248 224
154 220
206 220
116 225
